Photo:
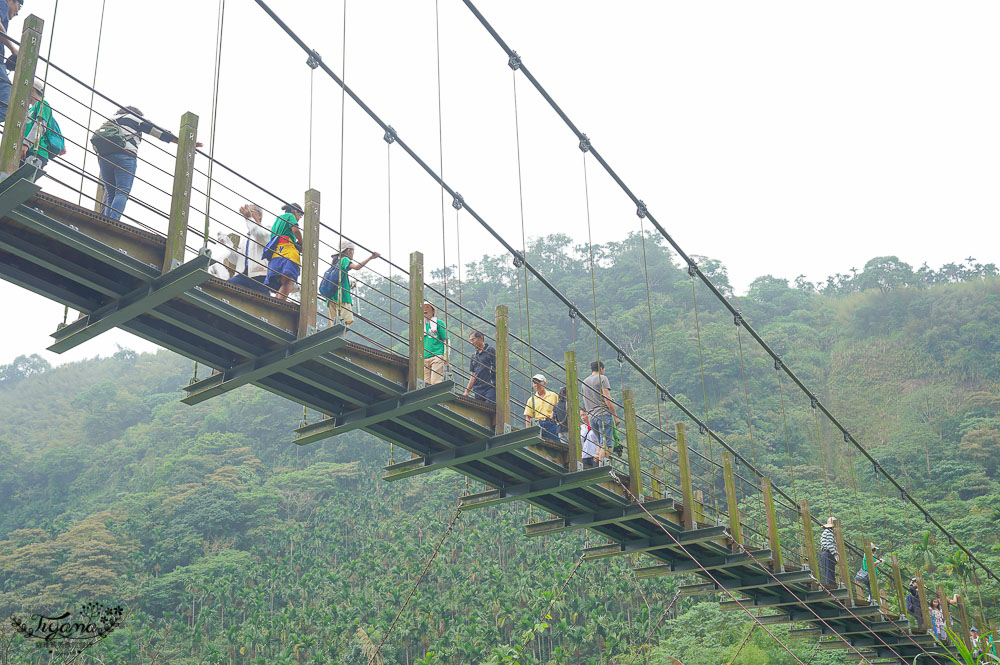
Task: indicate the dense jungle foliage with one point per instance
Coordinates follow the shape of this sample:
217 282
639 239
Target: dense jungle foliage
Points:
229 545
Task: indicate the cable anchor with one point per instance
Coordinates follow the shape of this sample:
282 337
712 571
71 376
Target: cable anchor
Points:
458 202
584 143
641 210
951 539
390 134
314 59
515 61
664 395
875 467
777 363
692 268
621 358
813 402
738 319
702 429
573 311
847 436
518 260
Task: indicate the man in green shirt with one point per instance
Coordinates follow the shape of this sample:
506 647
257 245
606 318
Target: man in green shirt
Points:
42 136
435 335
342 305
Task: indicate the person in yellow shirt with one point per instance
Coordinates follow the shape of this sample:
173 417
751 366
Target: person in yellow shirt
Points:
539 407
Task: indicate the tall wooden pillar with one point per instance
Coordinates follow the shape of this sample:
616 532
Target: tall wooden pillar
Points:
502 418
945 609
838 536
310 265
415 375
807 538
632 445
963 622
180 199
20 95
897 578
684 464
925 611
872 570
575 459
732 501
772 525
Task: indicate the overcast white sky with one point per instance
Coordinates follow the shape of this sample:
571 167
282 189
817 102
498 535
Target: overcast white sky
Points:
780 137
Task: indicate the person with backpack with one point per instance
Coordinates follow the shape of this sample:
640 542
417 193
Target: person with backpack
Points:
251 269
435 337
283 251
116 143
590 444
336 285
8 10
42 136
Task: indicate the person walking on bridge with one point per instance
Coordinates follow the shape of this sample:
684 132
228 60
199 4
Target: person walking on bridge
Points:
116 143
828 555
8 10
596 396
282 251
483 368
435 338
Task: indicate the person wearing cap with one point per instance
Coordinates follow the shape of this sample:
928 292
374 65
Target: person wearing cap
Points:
828 555
282 251
251 269
974 639
42 136
8 10
116 143
590 446
435 336
862 579
483 369
539 407
342 305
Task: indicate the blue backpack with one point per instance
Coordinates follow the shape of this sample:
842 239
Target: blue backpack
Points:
330 283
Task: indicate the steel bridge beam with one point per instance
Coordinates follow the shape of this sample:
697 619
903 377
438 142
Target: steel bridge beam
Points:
491 447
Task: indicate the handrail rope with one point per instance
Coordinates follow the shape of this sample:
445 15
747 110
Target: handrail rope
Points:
444 235
593 278
215 109
788 441
413 588
343 70
708 282
520 199
97 60
823 460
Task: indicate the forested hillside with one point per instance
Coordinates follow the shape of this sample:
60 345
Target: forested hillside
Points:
231 545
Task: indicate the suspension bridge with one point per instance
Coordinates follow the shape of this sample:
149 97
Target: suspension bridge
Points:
679 505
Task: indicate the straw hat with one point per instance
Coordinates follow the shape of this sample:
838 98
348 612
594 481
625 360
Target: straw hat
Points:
829 523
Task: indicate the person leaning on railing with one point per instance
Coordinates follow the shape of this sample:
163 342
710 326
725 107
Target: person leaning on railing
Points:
539 408
116 143
483 368
283 251
435 336
341 305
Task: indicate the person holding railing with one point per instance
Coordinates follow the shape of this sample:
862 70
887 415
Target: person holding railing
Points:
251 271
116 143
596 396
483 368
590 445
283 251
435 336
8 10
539 408
341 303
828 555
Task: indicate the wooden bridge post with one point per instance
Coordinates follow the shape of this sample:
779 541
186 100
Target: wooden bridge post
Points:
684 463
415 374
632 445
575 461
872 572
807 538
180 199
838 537
20 95
732 501
963 622
945 610
502 418
897 578
925 611
310 265
772 526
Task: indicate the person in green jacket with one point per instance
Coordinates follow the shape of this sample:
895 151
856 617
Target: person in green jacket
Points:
435 335
42 137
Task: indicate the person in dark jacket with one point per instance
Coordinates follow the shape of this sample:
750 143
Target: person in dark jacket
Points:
561 417
117 145
913 603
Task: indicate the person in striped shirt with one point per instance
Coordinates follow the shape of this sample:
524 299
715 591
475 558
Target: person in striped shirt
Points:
828 555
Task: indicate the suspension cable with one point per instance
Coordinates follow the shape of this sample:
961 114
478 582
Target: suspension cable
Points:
97 59
444 235
215 109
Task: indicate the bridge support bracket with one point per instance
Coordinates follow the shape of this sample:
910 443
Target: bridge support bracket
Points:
495 445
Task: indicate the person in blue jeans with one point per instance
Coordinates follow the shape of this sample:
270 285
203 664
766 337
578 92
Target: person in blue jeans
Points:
117 145
596 397
8 10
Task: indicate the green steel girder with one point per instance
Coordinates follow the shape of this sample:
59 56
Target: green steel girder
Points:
238 317
268 364
491 447
62 234
535 488
281 386
714 563
61 293
375 413
614 515
658 542
131 305
783 599
157 334
17 189
826 614
41 256
748 583
358 373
